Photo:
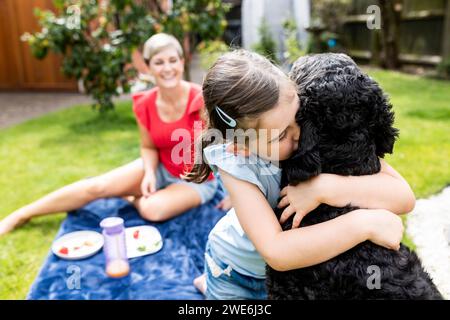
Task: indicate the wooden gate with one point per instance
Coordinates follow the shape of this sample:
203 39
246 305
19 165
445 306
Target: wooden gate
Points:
19 70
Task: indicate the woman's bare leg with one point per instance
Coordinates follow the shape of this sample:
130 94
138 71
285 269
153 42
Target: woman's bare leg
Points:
168 202
119 182
161 206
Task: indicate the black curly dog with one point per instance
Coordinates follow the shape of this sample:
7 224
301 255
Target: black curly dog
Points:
346 125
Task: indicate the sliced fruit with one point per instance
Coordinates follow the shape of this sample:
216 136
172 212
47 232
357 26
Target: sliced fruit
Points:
88 244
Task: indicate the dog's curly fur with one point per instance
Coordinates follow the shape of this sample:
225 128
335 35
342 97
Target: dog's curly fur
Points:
346 125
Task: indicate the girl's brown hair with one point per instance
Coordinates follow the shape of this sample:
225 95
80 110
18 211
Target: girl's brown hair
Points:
244 85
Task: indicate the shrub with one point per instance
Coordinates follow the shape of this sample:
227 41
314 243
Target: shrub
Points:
293 48
210 51
443 68
266 45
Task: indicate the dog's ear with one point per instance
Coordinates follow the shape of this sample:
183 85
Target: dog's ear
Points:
381 123
305 163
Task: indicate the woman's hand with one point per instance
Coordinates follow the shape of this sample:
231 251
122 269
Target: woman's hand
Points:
225 203
300 200
384 227
148 184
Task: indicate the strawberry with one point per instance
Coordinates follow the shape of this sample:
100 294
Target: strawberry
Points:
64 250
136 234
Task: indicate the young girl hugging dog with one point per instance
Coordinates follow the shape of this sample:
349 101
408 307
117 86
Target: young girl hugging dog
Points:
244 92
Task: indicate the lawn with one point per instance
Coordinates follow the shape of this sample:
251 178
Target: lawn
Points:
43 154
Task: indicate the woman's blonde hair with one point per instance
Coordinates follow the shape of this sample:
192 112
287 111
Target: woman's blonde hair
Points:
158 42
244 85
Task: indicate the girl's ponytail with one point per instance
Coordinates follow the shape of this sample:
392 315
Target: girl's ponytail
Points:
200 170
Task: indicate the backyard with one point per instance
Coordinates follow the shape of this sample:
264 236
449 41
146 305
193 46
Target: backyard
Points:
43 154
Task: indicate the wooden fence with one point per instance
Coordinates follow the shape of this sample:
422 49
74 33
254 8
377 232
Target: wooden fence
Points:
424 31
19 70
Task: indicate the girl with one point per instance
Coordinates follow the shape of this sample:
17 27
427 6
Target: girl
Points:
245 91
153 180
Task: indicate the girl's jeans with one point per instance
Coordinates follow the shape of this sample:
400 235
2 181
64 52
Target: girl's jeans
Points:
223 283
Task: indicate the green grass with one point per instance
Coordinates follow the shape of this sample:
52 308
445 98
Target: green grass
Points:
422 109
46 153
42 155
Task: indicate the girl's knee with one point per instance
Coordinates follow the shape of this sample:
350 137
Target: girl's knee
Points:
152 209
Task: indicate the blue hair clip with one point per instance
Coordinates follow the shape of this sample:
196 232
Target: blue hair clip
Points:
226 118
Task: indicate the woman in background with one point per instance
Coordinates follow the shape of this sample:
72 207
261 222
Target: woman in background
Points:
152 183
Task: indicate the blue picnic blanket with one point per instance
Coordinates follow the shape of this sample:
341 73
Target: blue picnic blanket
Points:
167 274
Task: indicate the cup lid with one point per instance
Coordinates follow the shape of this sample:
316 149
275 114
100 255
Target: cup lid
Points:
112 224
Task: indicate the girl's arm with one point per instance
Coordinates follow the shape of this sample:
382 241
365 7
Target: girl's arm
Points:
302 247
386 189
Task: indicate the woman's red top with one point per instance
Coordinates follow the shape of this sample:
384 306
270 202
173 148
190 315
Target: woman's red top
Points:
174 140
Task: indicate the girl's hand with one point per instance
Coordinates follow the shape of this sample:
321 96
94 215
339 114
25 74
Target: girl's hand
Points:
225 204
300 200
148 184
384 228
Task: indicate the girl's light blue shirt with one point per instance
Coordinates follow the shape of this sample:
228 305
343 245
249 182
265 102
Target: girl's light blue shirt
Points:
228 241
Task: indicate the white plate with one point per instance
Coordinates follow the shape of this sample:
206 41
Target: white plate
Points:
142 240
79 245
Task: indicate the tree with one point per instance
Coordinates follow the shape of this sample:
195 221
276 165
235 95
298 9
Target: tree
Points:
98 37
189 20
390 21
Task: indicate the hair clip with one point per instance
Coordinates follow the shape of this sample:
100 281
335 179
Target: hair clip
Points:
225 118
